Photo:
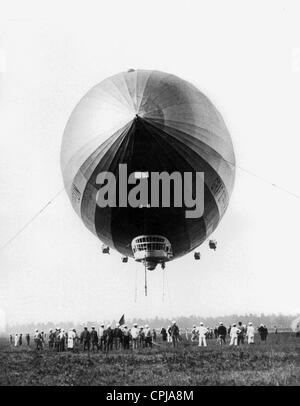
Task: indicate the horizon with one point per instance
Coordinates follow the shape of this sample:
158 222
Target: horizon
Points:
54 269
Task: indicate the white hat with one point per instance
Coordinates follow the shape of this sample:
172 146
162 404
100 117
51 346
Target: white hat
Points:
250 324
146 326
201 324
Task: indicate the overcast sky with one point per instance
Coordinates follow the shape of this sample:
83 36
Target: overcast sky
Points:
245 56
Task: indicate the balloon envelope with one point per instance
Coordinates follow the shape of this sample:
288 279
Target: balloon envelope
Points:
153 122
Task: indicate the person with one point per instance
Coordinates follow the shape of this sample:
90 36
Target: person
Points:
126 338
174 333
16 339
164 334
20 340
266 332
250 333
186 330
27 337
10 339
117 337
154 335
142 337
38 341
101 337
108 338
148 336
216 335
234 332
275 330
241 334
135 336
51 338
57 339
263 332
222 332
94 339
62 340
169 338
194 333
202 332
85 339
71 339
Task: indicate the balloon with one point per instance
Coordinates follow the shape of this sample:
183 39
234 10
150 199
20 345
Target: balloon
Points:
153 122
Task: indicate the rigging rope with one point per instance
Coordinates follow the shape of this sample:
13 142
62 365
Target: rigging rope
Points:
31 220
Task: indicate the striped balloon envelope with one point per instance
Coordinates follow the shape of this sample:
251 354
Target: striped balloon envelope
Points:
149 121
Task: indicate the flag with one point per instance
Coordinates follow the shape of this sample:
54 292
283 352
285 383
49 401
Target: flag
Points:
122 320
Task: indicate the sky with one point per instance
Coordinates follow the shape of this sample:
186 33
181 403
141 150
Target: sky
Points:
245 56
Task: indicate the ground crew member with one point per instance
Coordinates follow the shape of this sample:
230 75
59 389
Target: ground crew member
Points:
142 337
135 336
241 334
194 333
148 337
108 338
38 340
202 331
94 339
85 338
62 340
51 338
174 333
117 337
126 338
250 333
20 340
164 334
169 338
234 331
71 339
101 337
221 332
27 339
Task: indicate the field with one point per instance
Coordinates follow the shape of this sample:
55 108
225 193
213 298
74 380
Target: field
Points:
276 362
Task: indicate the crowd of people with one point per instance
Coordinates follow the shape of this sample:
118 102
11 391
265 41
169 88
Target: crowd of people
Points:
136 337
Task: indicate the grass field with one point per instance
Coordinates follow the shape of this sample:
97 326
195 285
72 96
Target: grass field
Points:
276 362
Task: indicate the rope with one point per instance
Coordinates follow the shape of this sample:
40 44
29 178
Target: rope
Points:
163 292
31 220
145 280
263 179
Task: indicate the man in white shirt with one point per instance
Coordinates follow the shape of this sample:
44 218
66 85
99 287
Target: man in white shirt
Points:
250 333
101 337
135 335
202 331
71 339
234 331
